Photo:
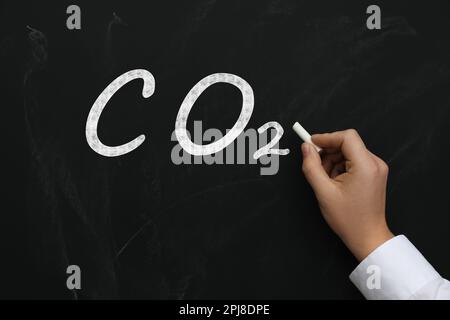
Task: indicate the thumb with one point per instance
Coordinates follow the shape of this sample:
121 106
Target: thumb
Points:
313 170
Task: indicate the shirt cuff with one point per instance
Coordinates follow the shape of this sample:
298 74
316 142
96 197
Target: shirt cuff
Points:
394 270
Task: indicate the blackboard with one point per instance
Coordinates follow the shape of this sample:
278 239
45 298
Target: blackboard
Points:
140 226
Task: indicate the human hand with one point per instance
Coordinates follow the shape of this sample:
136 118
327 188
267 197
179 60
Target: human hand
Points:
350 185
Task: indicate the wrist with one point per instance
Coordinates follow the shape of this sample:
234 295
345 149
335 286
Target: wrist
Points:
369 242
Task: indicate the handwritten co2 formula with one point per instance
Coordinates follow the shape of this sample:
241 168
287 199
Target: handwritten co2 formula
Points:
265 151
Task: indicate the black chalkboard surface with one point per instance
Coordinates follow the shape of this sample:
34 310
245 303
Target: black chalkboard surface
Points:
141 226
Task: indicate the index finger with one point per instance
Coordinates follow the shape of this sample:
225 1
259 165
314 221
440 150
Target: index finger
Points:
348 142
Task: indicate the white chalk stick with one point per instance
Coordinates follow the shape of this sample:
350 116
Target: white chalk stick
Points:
302 133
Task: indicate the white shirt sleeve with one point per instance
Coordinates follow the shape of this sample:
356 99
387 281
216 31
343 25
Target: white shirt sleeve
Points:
396 270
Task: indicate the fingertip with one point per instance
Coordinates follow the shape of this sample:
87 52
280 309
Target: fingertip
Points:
317 138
